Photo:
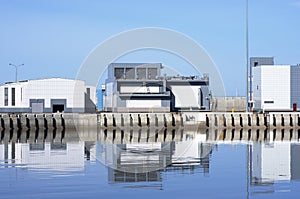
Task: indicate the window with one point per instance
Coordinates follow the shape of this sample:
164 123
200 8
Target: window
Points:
5 96
13 96
119 73
256 63
152 73
269 102
129 73
141 73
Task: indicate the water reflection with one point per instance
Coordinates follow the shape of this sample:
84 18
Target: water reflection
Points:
277 161
145 154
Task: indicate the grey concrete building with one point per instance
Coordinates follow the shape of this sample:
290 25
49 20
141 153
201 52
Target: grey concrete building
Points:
132 87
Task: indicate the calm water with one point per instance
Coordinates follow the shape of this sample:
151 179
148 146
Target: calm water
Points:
150 164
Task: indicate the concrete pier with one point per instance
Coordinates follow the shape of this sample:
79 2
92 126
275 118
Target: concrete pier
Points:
204 120
56 121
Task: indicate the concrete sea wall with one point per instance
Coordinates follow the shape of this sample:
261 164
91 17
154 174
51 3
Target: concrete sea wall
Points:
79 122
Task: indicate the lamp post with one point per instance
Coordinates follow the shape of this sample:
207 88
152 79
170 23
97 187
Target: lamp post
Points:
16 66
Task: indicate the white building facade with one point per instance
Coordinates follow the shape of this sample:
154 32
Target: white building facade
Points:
47 95
276 87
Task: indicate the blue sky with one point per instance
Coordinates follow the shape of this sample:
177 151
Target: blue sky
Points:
53 37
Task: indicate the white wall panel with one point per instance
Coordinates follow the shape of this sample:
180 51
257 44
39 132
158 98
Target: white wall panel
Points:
186 96
143 103
275 86
139 89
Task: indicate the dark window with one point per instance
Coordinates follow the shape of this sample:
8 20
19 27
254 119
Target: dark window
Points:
58 146
119 73
152 73
13 96
256 63
141 73
269 102
5 96
58 108
37 147
129 73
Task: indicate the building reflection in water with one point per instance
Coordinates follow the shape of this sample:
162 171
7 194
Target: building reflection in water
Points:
46 151
143 162
274 162
142 155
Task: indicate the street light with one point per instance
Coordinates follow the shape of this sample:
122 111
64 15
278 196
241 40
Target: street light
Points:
16 66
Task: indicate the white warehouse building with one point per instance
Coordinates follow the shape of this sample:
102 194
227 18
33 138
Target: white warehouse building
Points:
47 95
276 87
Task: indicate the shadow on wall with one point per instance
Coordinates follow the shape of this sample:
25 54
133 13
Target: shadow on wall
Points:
90 106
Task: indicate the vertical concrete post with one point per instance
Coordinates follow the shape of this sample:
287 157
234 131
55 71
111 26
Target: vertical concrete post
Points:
216 120
104 120
282 120
2 125
207 120
165 121
224 120
131 120
139 121
173 120
249 120
114 124
274 120
156 120
265 121
49 118
181 120
291 120
241 121
122 121
147 120
257 120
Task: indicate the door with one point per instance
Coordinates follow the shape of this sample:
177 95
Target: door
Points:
37 107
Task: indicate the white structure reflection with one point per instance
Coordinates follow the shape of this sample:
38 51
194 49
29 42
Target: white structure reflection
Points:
143 161
55 156
275 161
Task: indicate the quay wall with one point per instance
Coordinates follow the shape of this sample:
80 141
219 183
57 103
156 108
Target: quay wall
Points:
79 122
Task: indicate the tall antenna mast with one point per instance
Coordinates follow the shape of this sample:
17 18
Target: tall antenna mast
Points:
247 60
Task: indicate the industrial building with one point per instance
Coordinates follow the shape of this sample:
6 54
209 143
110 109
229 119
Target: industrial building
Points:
132 87
47 95
274 87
